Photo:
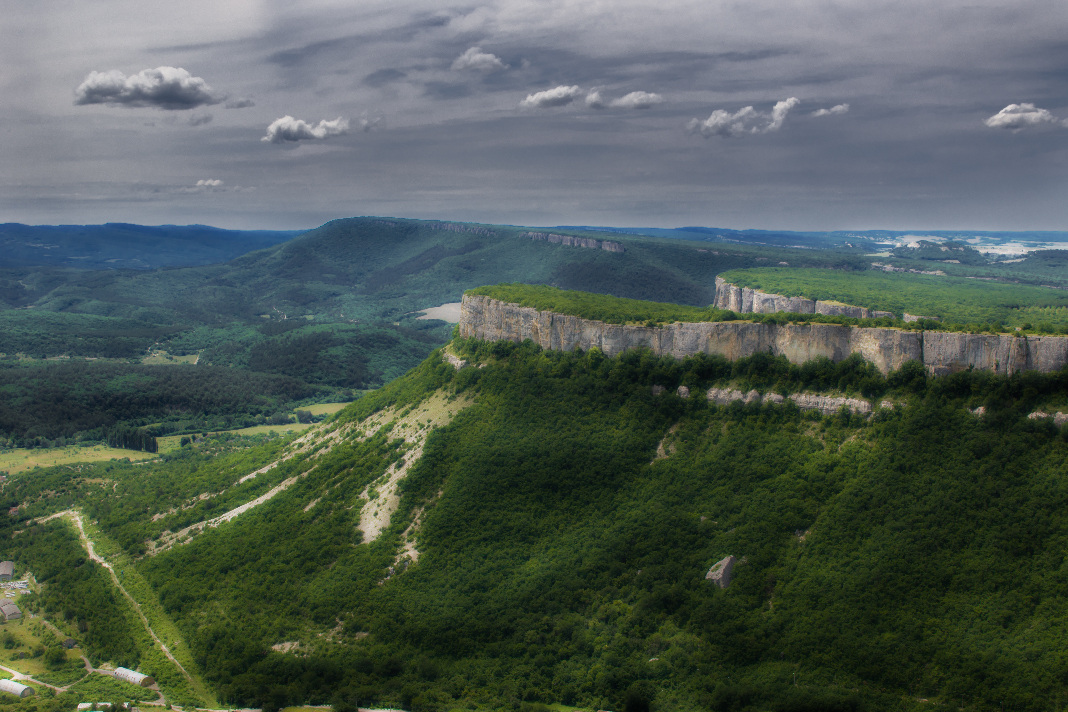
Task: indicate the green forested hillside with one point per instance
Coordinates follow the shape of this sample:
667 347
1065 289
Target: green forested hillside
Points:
334 308
564 521
374 268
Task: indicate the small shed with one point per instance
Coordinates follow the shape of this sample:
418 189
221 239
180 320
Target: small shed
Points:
9 610
15 688
134 678
7 570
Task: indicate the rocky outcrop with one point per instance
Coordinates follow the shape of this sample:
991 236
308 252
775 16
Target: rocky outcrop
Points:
746 300
888 348
572 241
828 405
721 572
1059 419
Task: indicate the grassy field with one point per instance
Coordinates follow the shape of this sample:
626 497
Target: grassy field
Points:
164 358
324 408
27 635
20 460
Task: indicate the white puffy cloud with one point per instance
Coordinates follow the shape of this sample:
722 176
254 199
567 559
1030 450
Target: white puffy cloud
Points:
209 183
779 112
557 96
746 120
288 128
634 100
1018 116
836 110
171 88
724 123
475 58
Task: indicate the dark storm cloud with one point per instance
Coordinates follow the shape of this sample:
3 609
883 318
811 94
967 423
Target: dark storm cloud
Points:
171 88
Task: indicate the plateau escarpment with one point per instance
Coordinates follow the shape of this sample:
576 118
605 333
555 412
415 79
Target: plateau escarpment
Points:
746 300
888 348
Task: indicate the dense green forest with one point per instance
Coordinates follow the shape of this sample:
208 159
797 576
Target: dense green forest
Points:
75 400
955 301
913 555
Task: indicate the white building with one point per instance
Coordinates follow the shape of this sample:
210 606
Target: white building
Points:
15 688
134 678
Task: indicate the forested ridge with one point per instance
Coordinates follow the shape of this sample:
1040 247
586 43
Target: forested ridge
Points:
914 555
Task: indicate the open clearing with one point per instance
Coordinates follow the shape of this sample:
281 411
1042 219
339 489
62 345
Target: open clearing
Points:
324 408
20 460
158 358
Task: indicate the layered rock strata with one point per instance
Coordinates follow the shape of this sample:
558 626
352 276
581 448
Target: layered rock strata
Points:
827 405
746 300
493 320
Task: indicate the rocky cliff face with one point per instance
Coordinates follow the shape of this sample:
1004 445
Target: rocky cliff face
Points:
745 300
572 241
493 320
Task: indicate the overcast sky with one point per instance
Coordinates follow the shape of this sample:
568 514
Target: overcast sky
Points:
793 114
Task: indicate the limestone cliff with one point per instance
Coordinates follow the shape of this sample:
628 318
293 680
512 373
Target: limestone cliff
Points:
888 348
572 241
746 300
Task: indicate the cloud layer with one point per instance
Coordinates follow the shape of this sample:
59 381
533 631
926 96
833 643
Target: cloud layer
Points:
288 129
745 121
171 88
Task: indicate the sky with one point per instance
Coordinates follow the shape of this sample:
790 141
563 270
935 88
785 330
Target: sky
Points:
772 114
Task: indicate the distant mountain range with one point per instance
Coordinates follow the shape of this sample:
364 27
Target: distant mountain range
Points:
123 246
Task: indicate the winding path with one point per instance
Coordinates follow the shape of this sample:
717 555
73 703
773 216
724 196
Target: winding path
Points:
88 545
